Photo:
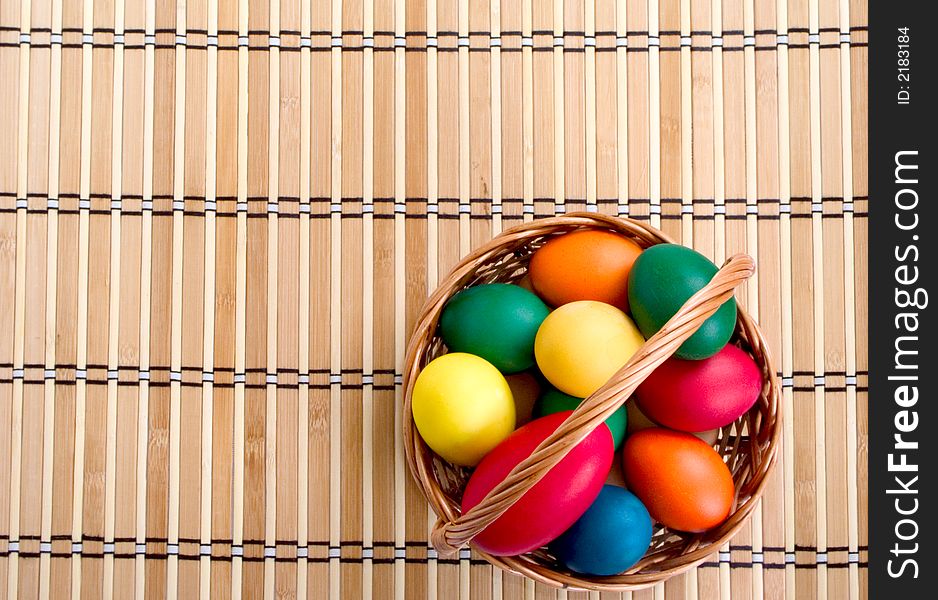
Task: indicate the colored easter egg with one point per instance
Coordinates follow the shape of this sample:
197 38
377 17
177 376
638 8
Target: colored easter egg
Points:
637 420
663 278
553 503
580 345
682 481
526 389
462 407
696 395
589 264
611 536
555 401
497 321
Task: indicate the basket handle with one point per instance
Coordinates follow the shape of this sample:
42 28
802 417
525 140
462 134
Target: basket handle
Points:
448 536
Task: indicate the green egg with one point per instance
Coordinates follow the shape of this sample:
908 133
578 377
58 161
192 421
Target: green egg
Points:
554 400
663 278
497 321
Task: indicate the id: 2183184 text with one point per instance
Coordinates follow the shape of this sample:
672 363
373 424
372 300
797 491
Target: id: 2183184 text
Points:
903 73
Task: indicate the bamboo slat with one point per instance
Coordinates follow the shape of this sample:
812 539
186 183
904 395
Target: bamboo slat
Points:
218 222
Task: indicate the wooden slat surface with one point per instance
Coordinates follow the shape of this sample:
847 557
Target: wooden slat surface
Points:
218 221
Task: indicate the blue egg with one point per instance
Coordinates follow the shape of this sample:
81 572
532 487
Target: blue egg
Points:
611 536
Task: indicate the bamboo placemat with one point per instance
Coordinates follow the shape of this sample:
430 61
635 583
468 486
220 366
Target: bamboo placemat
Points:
218 221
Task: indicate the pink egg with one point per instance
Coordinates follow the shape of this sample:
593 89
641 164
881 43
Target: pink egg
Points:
555 502
697 395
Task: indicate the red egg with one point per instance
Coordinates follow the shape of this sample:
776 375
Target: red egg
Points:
555 502
682 481
697 395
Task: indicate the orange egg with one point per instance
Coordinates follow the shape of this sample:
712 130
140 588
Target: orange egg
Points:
590 264
682 481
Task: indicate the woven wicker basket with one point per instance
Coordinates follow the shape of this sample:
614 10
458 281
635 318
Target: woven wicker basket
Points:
749 445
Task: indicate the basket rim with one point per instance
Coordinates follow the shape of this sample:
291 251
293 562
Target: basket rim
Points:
763 420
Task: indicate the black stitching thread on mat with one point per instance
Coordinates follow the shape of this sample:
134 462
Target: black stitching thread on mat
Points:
326 371
328 386
292 543
283 198
573 33
208 548
411 49
552 42
444 217
409 200
325 208
163 377
313 371
68 382
406 200
384 561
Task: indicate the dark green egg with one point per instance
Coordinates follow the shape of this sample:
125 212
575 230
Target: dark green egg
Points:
554 400
663 278
497 321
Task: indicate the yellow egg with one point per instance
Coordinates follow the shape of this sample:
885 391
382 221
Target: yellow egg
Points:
582 344
462 407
